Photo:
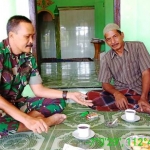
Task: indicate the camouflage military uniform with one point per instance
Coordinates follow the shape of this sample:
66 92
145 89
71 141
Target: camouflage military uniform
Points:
16 71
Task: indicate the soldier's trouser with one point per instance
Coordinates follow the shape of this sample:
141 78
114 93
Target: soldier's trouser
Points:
45 106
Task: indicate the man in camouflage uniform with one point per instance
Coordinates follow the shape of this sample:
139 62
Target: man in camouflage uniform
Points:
17 69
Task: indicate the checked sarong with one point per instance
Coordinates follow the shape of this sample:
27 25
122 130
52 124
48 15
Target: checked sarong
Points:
104 101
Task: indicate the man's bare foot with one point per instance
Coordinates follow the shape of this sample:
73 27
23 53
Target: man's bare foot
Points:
50 121
35 114
55 119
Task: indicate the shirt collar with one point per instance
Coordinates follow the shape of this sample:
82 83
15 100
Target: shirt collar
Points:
113 53
9 50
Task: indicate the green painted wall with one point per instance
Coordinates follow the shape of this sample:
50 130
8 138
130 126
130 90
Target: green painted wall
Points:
9 8
103 12
136 25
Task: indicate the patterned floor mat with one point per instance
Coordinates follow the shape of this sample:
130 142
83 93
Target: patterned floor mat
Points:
57 136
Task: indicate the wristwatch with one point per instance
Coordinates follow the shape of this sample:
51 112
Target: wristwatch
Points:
64 95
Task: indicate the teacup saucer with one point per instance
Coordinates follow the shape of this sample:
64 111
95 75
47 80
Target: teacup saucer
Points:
137 118
75 134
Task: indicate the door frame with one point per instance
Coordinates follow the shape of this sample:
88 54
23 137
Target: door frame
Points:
33 17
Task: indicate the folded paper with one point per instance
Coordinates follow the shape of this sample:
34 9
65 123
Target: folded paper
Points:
70 147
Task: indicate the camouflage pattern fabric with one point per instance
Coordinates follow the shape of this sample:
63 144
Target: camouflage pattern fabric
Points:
16 72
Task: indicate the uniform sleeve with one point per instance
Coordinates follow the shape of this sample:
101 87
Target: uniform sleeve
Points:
1 66
35 77
105 75
144 57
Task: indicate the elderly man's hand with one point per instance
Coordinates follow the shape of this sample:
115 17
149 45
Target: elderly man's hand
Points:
79 98
121 101
143 103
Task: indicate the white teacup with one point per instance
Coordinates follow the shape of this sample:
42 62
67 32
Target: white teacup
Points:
83 130
130 114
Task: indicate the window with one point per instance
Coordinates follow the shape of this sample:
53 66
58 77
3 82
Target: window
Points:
76 32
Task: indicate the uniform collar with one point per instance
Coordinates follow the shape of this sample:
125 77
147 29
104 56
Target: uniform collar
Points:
113 53
9 50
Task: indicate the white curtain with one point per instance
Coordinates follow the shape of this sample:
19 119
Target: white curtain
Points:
77 30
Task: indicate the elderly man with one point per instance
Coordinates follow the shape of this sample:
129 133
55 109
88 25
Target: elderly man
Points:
127 64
